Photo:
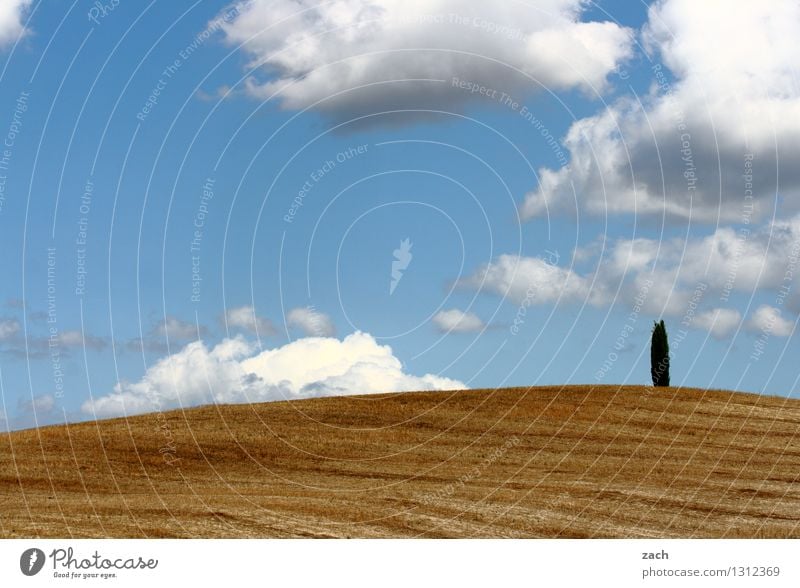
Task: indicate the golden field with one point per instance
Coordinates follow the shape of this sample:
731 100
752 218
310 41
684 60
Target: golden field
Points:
574 461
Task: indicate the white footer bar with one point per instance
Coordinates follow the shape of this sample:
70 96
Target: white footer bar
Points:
401 563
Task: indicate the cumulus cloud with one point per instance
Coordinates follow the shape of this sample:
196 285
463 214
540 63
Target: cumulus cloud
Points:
11 16
720 322
245 317
674 277
728 260
39 405
311 322
768 319
458 321
234 371
714 134
361 56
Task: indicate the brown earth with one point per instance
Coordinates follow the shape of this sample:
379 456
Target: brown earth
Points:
576 461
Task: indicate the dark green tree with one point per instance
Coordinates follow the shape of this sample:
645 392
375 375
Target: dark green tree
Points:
659 355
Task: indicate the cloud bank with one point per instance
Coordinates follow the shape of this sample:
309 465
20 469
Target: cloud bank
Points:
674 277
312 322
233 371
9 328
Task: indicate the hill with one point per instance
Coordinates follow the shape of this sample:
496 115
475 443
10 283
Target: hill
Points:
575 461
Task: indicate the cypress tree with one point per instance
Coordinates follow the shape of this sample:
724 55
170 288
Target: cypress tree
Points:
659 355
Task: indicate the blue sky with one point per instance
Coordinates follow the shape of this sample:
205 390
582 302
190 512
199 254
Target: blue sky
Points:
235 179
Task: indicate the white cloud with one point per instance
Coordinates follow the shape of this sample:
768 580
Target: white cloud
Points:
682 149
768 319
245 317
11 15
8 329
458 321
674 277
720 322
311 322
313 51
529 278
233 371
40 405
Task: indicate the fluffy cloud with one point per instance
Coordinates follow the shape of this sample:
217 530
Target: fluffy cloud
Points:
361 56
39 346
233 371
458 321
11 15
727 260
726 89
78 339
245 317
720 322
311 322
768 319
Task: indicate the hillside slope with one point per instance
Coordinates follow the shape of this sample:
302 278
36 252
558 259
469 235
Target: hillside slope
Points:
572 461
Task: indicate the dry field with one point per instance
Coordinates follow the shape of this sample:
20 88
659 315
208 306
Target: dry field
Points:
575 461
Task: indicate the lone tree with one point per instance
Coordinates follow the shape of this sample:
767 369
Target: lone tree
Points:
659 355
